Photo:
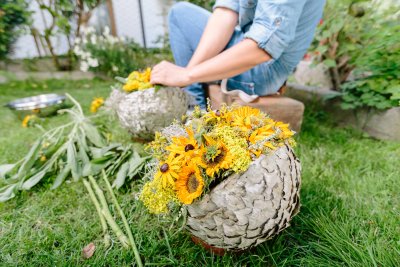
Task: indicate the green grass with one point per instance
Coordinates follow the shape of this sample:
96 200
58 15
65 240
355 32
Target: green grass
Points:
349 217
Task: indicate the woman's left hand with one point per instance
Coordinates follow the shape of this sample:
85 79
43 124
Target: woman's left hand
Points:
169 74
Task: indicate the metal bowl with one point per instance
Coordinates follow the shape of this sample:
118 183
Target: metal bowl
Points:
41 105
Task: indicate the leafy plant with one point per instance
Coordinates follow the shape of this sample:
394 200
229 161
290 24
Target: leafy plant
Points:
112 56
76 149
355 39
380 88
67 19
13 17
339 38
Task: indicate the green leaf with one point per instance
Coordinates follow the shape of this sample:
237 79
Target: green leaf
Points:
329 63
121 176
157 88
6 168
72 161
30 159
102 160
7 192
61 177
121 79
93 134
33 180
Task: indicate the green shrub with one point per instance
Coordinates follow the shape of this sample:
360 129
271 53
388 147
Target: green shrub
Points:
381 61
355 37
112 56
13 16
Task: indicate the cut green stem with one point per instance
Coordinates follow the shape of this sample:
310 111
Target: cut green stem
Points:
98 208
124 220
107 214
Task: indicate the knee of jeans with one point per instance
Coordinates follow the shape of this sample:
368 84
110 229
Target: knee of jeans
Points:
178 10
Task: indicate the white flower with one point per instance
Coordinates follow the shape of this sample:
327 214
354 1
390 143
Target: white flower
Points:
88 30
77 40
114 68
93 39
77 50
106 30
86 55
93 62
84 66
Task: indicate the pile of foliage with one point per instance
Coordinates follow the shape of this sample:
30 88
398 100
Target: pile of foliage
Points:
74 150
194 157
357 38
13 16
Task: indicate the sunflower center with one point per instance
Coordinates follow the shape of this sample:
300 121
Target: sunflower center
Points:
214 154
164 167
189 147
192 183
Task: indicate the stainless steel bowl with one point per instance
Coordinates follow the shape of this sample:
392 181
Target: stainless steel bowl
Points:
41 105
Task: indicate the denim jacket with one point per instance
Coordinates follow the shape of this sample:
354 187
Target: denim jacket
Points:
283 28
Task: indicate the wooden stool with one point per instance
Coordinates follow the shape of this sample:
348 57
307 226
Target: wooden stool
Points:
279 107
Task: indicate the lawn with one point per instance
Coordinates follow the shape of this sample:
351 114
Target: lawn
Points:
349 217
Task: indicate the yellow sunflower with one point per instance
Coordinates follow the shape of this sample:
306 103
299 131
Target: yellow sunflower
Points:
96 104
246 117
138 81
189 185
168 172
217 116
184 148
214 156
285 131
261 134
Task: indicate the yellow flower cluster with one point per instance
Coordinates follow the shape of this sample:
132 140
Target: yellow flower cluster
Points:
28 120
138 81
216 144
96 104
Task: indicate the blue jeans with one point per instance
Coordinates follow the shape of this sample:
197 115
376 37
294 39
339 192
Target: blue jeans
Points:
186 25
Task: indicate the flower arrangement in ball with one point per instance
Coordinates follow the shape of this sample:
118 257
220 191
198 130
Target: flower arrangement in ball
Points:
194 157
144 108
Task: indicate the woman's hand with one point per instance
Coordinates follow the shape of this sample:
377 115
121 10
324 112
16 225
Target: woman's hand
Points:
169 74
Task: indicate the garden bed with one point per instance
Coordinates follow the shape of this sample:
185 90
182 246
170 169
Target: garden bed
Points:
380 124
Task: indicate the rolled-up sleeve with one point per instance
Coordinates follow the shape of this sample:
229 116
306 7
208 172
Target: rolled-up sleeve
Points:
274 25
230 4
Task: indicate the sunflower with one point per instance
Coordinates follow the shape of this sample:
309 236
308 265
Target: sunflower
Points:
168 172
262 133
96 104
184 148
217 116
214 156
189 185
245 118
138 81
285 132
29 120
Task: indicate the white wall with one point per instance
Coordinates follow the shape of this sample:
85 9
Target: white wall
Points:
127 19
